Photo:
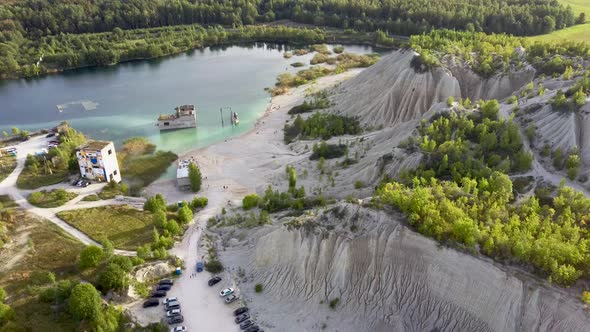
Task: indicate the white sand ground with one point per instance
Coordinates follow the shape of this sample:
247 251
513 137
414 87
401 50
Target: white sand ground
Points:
242 164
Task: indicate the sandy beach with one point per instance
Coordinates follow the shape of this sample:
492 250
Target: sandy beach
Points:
231 169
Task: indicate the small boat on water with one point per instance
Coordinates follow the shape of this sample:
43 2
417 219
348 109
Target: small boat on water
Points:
184 117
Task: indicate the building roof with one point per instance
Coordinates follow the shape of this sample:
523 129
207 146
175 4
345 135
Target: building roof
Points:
94 145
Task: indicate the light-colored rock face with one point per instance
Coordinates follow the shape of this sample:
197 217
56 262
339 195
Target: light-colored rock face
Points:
495 87
583 118
391 92
388 278
558 129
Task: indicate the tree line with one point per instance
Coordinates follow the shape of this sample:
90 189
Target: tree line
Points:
19 55
46 17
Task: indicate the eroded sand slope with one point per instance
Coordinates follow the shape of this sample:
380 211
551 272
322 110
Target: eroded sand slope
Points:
389 278
392 92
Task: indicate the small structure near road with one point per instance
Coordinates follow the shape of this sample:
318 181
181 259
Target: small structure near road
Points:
97 161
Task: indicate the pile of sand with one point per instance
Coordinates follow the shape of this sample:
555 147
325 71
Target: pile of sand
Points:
392 92
388 278
153 272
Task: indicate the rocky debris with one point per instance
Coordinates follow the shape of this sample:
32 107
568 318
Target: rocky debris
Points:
155 271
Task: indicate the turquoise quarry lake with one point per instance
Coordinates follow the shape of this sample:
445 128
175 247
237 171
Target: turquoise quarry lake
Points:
122 101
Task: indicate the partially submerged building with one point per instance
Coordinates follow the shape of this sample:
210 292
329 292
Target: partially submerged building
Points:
97 161
184 117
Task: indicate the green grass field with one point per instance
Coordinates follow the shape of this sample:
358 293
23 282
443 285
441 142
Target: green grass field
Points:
40 246
126 227
580 33
578 6
27 180
7 165
50 199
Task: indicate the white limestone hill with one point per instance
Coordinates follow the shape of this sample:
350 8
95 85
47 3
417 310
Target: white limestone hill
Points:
557 129
392 92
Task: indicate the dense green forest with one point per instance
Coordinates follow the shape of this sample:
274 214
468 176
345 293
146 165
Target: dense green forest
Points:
461 144
19 54
44 17
462 194
40 36
479 213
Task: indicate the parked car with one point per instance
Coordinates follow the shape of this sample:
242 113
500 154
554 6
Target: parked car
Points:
242 318
246 324
199 266
158 294
163 287
213 281
50 135
254 328
166 282
175 320
78 183
173 312
231 298
179 329
173 305
240 311
9 151
170 299
84 184
153 302
226 292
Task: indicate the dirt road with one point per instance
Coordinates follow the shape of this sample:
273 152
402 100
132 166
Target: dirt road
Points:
8 187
